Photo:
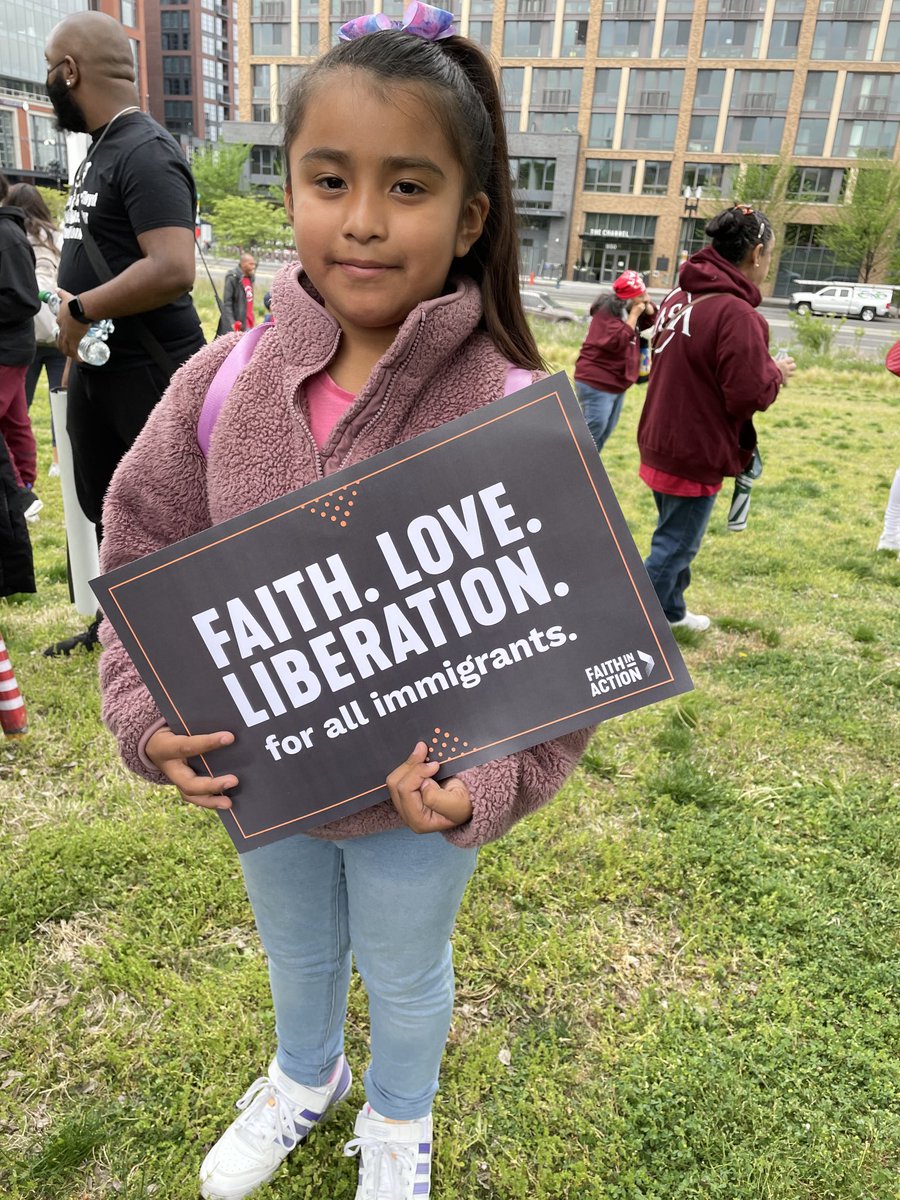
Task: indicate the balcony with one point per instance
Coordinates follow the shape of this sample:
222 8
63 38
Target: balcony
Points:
531 8
869 106
850 10
754 104
556 99
652 102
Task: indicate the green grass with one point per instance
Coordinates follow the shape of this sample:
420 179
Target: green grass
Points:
678 981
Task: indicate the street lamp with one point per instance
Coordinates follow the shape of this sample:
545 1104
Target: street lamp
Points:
692 198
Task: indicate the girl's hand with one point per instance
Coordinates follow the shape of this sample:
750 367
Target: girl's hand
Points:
425 805
170 751
634 313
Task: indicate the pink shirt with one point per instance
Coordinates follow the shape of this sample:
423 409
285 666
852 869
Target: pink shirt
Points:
327 403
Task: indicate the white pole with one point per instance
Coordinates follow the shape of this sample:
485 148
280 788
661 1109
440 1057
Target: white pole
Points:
81 534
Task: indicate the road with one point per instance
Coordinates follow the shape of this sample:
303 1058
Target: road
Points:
872 340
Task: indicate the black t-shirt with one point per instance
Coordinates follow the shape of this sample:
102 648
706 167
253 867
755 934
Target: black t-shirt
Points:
137 180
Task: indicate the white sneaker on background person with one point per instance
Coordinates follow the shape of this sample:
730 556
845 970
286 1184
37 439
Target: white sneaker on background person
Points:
695 621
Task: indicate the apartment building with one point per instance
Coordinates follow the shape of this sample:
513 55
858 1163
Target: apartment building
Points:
192 74
617 108
32 150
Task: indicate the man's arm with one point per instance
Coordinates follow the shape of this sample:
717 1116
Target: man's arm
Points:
165 272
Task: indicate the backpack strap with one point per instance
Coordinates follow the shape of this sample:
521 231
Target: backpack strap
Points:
241 353
223 381
516 379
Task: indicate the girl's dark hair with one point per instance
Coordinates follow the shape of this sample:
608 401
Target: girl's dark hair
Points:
737 230
610 303
466 103
38 218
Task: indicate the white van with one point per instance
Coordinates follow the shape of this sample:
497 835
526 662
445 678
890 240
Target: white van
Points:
863 300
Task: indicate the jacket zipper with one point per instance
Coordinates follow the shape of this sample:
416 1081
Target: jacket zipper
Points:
387 394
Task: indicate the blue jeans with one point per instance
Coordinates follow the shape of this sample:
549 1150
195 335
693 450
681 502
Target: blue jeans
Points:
392 898
674 545
601 410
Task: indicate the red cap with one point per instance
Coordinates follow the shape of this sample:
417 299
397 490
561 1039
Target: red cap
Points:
628 285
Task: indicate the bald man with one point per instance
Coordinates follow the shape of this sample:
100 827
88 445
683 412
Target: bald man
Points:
128 253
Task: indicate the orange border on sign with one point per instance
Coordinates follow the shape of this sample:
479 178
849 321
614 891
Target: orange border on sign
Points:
362 479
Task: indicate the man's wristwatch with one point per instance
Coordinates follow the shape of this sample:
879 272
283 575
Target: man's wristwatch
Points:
77 311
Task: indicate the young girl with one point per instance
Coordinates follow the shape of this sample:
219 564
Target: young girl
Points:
404 314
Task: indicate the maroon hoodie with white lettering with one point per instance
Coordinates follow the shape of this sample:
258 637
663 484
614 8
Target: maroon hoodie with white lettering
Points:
712 372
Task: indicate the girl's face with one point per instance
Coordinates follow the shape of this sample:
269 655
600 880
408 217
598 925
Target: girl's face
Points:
376 199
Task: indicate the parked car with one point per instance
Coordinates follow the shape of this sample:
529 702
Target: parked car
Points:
862 300
540 304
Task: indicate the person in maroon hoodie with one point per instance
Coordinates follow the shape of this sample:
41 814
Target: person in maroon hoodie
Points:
609 360
712 372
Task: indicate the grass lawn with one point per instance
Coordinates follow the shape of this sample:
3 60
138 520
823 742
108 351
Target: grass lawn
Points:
680 980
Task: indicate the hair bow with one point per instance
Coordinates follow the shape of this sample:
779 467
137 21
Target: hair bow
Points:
422 20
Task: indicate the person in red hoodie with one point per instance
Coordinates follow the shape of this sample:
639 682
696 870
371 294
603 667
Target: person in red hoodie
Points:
609 360
712 372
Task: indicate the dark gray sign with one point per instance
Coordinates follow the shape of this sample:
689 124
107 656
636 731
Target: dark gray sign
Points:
475 588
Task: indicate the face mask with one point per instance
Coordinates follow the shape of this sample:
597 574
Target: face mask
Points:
68 115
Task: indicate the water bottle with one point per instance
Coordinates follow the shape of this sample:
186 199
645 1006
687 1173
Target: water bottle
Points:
92 349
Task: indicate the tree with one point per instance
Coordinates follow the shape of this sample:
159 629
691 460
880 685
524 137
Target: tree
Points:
218 172
248 224
56 202
768 186
866 227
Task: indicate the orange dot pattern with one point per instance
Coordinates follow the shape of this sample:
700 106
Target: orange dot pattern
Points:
335 508
445 745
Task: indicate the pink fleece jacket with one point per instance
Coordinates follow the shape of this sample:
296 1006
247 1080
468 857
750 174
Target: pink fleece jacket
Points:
440 366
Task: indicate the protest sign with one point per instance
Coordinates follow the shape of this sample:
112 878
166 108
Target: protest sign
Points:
475 588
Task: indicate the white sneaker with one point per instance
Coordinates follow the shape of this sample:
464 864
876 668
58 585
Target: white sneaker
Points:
395 1157
276 1115
888 542
690 620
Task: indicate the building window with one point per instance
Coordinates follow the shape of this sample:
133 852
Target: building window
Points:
708 176
309 38
784 39
609 175
533 174
656 178
179 115
555 96
262 112
261 79
702 133
819 93
7 142
731 39
760 92
574 39
481 32
654 91
736 8
625 39
754 135
527 39
288 74
891 52
675 38
607 82
268 38
816 185
127 13
865 137
48 149
271 10
708 92
265 161
649 132
871 95
810 139
843 40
